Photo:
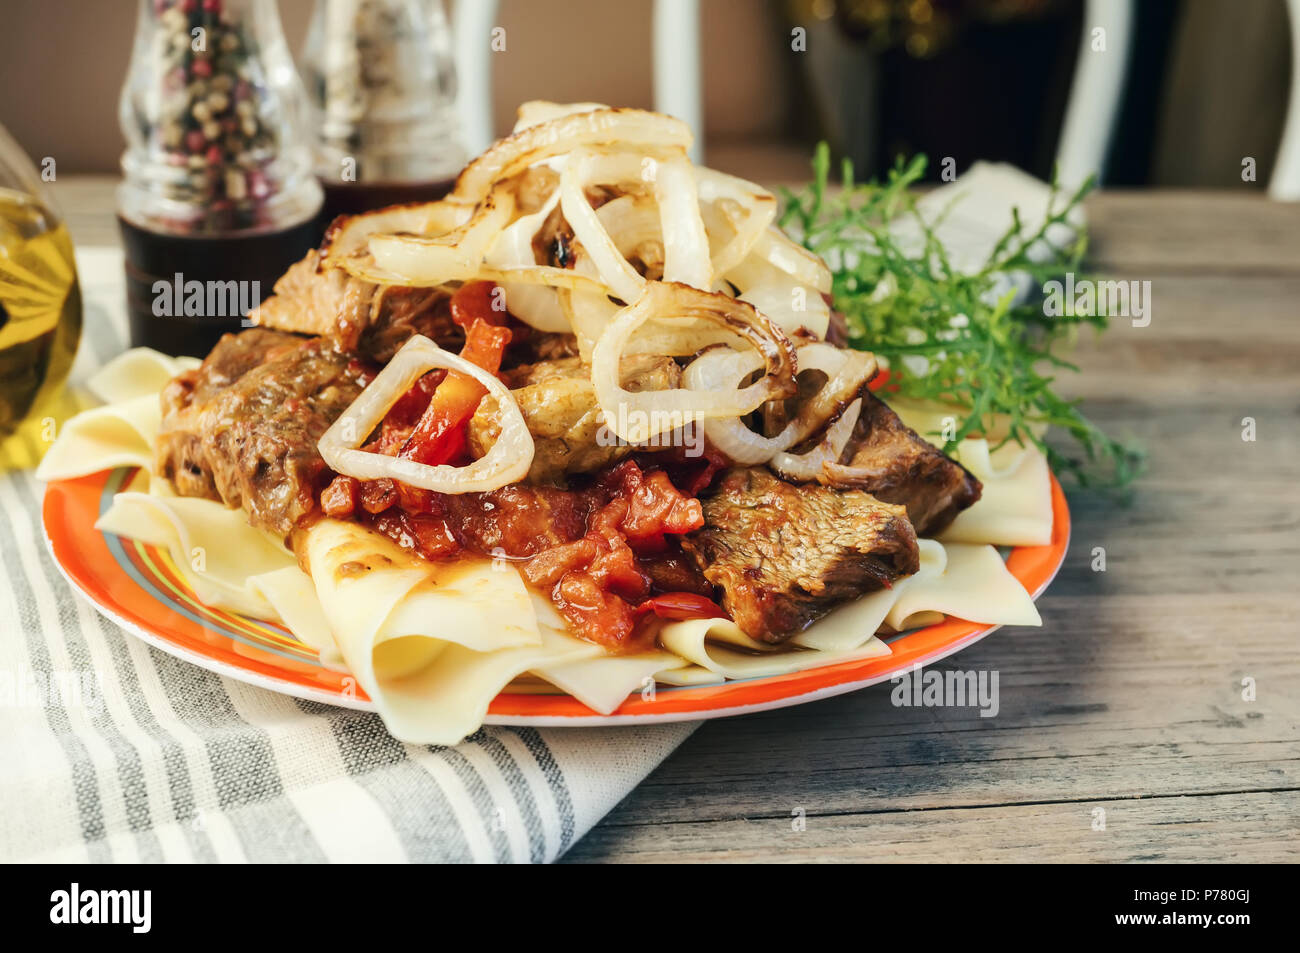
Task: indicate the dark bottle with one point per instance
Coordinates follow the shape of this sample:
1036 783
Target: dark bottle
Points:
218 196
382 87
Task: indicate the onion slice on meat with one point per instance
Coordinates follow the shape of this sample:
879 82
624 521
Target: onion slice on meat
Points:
506 462
686 244
812 464
626 128
846 373
681 229
638 417
348 235
456 255
716 190
530 301
583 169
775 249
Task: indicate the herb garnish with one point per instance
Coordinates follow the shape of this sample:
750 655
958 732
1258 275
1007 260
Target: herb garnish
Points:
995 363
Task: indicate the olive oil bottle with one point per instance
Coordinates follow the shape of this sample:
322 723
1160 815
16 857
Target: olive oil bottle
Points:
40 324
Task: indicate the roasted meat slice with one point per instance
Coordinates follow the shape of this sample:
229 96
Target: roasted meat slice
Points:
785 555
895 465
558 402
242 427
356 315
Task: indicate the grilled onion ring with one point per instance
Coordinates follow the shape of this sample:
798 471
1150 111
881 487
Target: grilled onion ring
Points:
506 462
627 128
638 417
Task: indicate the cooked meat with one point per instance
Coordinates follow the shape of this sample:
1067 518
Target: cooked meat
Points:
784 555
905 469
356 315
543 346
242 427
558 402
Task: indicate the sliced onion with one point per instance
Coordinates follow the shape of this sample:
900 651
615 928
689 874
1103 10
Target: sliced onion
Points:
456 255
686 244
637 417
625 128
506 462
846 373
632 221
759 205
791 306
582 170
537 111
775 249
531 302
348 236
812 464
589 312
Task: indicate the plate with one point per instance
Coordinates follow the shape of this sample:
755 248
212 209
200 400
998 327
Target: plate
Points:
139 588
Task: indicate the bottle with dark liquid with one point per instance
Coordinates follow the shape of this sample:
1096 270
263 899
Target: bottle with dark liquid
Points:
218 196
382 86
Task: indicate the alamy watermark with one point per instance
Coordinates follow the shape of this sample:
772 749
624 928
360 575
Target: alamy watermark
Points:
204 299
1081 297
664 428
932 688
26 688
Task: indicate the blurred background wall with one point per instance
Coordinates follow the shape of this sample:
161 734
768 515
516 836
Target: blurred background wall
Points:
962 78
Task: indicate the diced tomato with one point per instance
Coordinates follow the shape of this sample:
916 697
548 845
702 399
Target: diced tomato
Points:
430 536
653 505
681 605
378 495
339 499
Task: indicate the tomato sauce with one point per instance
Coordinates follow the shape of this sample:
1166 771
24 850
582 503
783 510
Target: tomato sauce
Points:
600 552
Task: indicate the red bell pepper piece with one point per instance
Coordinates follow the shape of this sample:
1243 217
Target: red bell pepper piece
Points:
439 436
681 605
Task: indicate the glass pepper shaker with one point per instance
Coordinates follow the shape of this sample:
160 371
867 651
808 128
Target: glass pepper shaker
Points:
382 86
218 196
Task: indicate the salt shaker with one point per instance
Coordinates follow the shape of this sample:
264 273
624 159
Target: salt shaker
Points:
218 197
382 86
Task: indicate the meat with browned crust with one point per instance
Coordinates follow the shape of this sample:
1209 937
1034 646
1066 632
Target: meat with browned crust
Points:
785 555
242 427
355 315
895 465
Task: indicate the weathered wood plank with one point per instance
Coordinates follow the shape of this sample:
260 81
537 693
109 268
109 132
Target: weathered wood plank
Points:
1231 233
1205 829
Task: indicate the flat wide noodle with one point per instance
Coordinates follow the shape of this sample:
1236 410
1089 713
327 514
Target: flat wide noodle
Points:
974 584
431 643
213 547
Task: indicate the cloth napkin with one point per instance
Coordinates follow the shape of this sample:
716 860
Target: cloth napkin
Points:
113 751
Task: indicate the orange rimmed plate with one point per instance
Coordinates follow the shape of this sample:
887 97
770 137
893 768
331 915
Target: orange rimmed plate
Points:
138 587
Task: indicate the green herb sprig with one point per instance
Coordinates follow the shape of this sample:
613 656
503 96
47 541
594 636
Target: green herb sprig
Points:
996 367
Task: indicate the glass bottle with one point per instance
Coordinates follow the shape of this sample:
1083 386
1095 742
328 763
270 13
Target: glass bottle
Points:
382 85
40 310
218 197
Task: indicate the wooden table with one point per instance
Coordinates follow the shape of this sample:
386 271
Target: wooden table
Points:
1129 699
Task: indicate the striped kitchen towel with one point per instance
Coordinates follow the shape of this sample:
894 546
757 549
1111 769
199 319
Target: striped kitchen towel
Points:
114 751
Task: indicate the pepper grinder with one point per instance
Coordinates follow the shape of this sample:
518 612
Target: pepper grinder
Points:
218 197
382 87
